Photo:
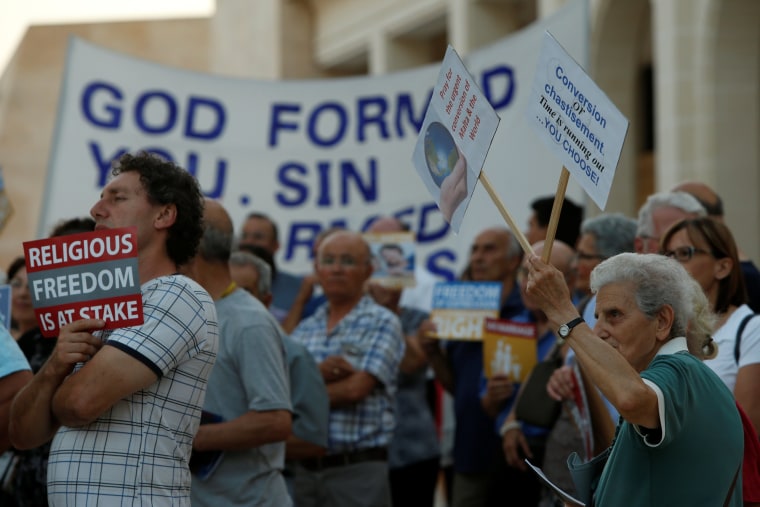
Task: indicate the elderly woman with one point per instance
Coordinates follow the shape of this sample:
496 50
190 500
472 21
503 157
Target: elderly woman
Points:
602 237
680 439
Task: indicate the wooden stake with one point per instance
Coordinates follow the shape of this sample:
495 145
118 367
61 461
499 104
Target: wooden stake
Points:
559 199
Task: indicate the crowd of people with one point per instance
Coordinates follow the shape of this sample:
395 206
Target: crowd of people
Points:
248 385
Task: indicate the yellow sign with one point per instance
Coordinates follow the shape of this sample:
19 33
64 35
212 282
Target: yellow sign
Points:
509 348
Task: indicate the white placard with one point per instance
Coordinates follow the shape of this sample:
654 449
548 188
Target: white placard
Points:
456 134
576 120
309 153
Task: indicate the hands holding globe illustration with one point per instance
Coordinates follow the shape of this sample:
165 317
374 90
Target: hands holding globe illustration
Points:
447 167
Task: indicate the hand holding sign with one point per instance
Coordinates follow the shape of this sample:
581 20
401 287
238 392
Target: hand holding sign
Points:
454 188
75 344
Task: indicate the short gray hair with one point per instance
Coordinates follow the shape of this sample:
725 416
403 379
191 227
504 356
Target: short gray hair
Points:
215 244
242 258
679 200
613 233
660 281
513 249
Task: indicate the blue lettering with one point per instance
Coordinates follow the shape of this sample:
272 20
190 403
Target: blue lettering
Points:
409 210
435 268
103 164
276 123
212 131
324 184
170 112
425 236
112 119
286 175
340 127
350 179
400 214
328 122
502 75
349 172
405 106
297 239
221 172
365 118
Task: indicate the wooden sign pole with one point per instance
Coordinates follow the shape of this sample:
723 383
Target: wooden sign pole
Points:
559 199
505 214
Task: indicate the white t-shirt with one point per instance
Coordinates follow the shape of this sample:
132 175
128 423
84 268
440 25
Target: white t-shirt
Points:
724 364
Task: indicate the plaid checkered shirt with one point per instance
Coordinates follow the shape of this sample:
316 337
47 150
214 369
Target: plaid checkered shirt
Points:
370 338
137 452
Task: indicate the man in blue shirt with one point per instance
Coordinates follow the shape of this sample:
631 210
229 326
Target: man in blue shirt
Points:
358 345
14 374
495 255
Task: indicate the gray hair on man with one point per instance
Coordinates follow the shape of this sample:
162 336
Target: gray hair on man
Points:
514 249
242 258
680 200
613 233
660 281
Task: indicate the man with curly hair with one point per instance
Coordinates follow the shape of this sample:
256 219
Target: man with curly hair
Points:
122 405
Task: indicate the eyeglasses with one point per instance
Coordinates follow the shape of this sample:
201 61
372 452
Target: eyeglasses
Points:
684 253
343 261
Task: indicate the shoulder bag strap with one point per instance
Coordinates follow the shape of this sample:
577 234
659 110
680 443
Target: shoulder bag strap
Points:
739 331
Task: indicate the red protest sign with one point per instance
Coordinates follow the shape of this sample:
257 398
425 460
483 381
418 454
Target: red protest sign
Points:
92 275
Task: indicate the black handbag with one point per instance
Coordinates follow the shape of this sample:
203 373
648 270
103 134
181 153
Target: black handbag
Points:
534 405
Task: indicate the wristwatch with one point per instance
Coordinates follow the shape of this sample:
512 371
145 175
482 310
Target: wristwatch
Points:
564 330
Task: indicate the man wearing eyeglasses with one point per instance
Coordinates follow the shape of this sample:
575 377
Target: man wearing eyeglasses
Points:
358 345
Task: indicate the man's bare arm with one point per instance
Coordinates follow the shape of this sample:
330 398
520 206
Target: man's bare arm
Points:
10 385
108 377
32 419
352 389
298 448
248 431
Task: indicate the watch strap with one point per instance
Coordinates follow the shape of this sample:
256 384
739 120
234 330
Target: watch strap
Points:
570 325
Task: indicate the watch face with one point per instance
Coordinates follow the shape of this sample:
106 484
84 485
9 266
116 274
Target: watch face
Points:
563 331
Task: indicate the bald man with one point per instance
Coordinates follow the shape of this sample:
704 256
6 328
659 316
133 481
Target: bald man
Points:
358 345
706 196
249 386
521 440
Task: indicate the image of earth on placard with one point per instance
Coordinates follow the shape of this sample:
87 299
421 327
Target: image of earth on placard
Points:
440 152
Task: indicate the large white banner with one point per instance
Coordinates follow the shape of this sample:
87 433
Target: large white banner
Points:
312 153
